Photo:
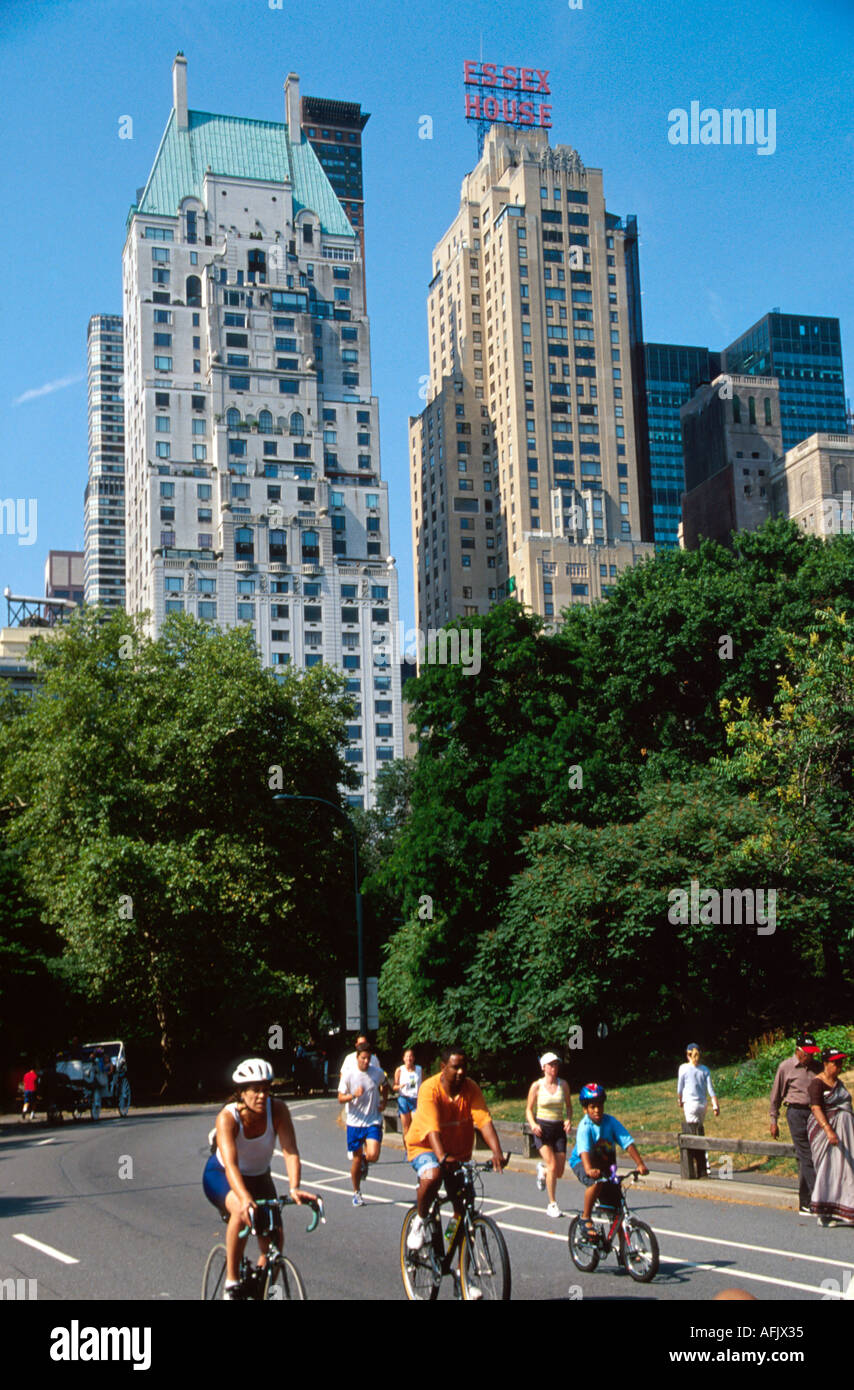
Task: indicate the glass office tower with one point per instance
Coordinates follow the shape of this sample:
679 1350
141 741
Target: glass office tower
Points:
673 374
805 352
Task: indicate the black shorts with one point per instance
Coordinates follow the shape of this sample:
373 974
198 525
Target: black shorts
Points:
554 1135
217 1187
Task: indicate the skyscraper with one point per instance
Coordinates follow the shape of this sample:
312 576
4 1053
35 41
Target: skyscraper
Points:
253 468
104 498
804 352
529 465
334 130
673 374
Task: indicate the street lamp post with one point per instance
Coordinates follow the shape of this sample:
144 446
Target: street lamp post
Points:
360 938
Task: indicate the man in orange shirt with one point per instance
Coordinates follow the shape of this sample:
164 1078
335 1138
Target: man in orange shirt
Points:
441 1136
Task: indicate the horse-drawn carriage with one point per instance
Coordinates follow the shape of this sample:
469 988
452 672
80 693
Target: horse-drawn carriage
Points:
95 1078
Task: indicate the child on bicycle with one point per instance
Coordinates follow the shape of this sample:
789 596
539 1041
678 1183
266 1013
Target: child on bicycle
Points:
594 1155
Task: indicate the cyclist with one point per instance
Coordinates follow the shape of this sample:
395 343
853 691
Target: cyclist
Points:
450 1107
238 1173
549 1114
595 1154
364 1090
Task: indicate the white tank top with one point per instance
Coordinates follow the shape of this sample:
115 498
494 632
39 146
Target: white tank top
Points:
410 1081
254 1156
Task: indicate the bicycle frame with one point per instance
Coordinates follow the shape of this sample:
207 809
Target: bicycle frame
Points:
253 1279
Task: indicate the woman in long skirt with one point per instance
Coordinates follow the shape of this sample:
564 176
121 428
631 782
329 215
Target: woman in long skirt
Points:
830 1130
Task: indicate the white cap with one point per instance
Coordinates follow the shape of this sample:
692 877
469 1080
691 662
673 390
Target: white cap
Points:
548 1057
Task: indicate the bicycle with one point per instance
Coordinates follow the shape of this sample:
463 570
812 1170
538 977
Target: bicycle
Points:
484 1264
279 1278
637 1249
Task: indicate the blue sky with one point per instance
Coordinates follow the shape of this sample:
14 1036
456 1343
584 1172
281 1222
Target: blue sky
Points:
726 234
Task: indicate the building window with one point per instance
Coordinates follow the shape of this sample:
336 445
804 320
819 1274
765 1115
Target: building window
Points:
194 292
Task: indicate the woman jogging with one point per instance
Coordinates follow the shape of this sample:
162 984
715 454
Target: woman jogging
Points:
549 1114
407 1083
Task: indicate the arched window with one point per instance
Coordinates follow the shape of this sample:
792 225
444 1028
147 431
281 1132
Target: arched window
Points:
768 410
265 422
297 423
751 409
278 545
232 418
840 477
310 546
736 410
194 292
244 548
257 267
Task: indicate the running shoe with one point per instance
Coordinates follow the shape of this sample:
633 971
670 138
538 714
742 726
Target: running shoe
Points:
553 1209
541 1177
358 1200
804 1211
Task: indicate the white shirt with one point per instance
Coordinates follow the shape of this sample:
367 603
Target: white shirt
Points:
366 1109
694 1087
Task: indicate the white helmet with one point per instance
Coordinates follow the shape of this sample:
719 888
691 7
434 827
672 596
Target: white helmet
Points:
253 1069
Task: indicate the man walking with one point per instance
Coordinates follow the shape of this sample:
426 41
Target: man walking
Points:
694 1090
791 1088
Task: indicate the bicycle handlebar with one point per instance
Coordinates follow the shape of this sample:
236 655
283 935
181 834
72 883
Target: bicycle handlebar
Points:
316 1204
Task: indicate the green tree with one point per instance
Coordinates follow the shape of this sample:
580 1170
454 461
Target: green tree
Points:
149 837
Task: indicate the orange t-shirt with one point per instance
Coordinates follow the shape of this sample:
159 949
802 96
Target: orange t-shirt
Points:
455 1117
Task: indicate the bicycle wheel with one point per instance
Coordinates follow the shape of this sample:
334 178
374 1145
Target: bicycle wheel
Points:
285 1282
213 1280
421 1277
484 1262
583 1255
641 1252
123 1100
96 1104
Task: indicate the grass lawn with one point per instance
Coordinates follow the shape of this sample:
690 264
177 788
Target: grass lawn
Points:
653 1106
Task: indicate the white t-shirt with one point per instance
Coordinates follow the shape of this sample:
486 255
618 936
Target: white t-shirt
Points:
366 1109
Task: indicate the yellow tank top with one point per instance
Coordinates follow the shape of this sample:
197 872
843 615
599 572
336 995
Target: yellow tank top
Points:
550 1106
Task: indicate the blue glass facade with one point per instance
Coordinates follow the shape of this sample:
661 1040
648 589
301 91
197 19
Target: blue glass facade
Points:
805 353
673 374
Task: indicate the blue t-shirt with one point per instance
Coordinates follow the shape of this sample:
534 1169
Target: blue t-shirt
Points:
588 1135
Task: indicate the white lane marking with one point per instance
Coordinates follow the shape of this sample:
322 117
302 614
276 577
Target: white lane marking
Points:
47 1250
304 1117
763 1249
45 1141
665 1259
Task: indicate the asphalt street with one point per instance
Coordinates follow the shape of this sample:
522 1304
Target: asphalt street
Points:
115 1210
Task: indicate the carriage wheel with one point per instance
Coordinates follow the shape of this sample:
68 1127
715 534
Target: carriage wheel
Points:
123 1101
96 1104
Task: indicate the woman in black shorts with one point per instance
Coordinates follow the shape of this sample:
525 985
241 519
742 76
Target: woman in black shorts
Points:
549 1114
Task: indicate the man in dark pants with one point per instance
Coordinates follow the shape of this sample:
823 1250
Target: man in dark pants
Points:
791 1088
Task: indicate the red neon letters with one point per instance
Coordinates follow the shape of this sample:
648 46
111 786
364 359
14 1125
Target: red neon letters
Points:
484 106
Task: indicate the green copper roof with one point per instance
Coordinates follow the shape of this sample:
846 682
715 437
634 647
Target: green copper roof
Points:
242 149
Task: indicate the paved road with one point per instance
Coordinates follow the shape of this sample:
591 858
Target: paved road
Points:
102 1236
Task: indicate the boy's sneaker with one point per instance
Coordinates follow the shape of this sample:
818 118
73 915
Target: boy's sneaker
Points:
541 1177
553 1209
804 1211
358 1200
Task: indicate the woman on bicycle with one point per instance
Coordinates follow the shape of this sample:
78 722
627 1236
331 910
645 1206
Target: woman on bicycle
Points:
407 1083
238 1173
549 1115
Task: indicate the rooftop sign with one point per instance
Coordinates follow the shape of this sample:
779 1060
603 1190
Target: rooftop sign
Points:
511 95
